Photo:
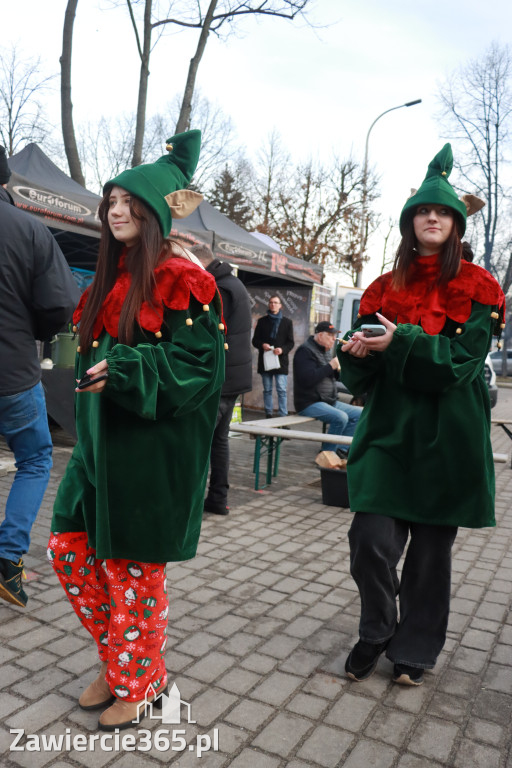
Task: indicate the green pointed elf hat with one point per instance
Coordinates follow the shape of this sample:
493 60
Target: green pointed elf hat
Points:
436 189
162 185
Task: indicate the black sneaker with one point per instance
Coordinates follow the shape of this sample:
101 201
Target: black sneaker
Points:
404 675
362 660
10 582
216 509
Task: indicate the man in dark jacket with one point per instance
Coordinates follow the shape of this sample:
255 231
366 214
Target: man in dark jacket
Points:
274 334
37 297
237 315
315 373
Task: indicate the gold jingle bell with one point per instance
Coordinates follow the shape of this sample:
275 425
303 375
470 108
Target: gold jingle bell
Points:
95 344
206 307
494 315
158 334
221 326
226 346
459 330
188 321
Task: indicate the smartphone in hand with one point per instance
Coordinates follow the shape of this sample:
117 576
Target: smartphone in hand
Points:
87 380
371 331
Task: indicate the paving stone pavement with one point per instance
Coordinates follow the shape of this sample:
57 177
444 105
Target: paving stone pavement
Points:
260 625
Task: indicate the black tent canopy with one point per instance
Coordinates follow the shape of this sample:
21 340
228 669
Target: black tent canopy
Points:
37 185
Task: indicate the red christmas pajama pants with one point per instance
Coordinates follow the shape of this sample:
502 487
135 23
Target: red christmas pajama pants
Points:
123 604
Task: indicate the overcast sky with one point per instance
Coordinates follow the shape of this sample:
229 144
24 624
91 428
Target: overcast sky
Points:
321 88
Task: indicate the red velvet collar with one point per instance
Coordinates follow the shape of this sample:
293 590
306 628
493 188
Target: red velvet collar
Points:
176 278
424 302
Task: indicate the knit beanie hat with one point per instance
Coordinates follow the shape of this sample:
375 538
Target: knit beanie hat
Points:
161 185
5 171
437 190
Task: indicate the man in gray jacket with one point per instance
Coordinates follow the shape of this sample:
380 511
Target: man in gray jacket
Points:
37 298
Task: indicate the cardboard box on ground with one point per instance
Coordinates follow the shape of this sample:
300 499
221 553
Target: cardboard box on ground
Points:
330 460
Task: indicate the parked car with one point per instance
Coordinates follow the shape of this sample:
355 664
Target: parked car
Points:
490 378
497 361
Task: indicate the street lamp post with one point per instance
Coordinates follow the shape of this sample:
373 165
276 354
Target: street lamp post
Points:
364 212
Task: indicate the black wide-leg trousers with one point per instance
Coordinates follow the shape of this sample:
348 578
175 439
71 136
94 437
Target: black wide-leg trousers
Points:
416 633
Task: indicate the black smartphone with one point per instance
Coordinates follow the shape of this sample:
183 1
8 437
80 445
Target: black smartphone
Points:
87 380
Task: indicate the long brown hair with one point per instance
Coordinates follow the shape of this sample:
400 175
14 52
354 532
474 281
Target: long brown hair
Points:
141 260
450 256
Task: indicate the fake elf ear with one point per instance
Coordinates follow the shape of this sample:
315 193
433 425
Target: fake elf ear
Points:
182 202
473 203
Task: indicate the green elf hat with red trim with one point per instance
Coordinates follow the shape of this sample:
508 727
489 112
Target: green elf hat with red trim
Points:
162 185
436 190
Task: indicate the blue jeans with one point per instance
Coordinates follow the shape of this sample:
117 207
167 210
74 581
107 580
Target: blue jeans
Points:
24 424
281 380
341 417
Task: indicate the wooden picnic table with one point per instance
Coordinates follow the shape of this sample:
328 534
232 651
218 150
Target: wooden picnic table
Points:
270 433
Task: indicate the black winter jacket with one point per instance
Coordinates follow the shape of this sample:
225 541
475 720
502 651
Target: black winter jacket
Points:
237 314
37 294
314 379
284 339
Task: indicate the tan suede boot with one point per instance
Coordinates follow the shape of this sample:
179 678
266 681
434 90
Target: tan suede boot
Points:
97 695
122 713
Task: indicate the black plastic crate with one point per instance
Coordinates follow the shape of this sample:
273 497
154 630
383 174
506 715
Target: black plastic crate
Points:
334 487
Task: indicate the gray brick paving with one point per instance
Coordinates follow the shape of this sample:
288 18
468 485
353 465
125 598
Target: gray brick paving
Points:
260 625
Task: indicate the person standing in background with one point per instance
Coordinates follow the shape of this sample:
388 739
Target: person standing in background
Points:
237 315
274 332
37 297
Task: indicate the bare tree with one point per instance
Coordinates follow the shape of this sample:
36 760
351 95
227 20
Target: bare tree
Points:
271 178
22 117
476 106
106 146
387 259
66 105
217 136
316 216
219 14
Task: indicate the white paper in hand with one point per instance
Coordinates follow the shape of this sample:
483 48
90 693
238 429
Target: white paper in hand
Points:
270 361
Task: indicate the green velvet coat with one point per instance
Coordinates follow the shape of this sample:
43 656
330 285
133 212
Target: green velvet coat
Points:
136 478
422 449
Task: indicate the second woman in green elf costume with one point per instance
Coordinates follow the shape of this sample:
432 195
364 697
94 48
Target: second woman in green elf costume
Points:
152 351
421 461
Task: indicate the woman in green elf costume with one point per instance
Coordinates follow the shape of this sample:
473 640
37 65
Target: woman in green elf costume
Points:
150 366
421 461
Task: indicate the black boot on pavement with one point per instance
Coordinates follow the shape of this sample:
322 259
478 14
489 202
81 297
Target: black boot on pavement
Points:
215 509
362 660
404 675
10 582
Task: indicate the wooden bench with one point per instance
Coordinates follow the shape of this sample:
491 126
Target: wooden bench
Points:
270 433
